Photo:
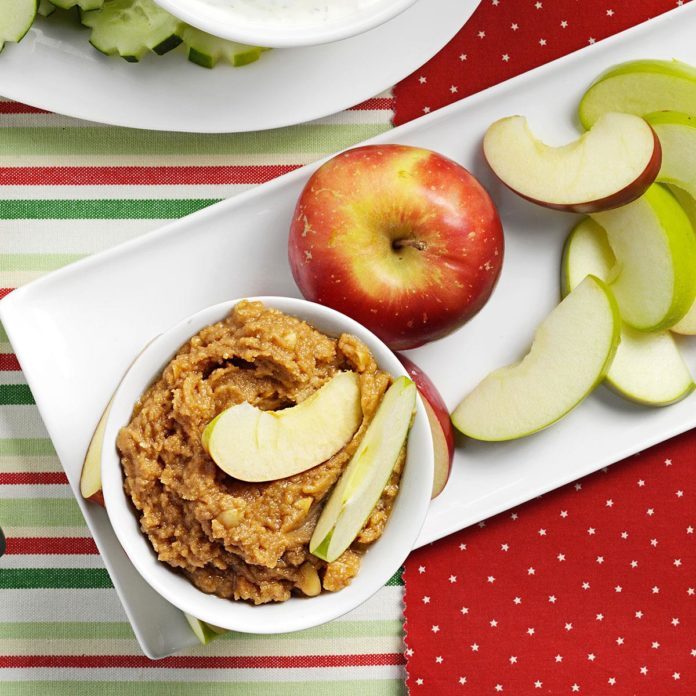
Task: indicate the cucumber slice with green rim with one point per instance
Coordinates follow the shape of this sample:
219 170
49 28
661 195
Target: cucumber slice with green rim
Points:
16 17
69 4
206 50
46 8
132 28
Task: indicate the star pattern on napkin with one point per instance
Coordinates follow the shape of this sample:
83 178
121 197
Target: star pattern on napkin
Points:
604 599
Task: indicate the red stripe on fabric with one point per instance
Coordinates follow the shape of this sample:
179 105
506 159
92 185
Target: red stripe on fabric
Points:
51 546
27 478
113 176
375 104
5 291
195 662
9 362
19 108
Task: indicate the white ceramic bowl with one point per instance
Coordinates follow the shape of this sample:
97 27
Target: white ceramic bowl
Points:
380 562
276 31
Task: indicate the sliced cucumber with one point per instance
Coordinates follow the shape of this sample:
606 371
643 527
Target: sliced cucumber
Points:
16 17
46 8
131 28
206 50
82 4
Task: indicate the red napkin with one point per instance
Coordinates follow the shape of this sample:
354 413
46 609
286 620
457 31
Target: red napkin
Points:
504 38
592 589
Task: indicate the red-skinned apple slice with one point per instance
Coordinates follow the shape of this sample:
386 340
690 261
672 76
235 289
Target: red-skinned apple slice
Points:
608 166
440 423
90 477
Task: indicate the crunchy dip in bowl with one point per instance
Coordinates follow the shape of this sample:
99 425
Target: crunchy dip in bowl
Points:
204 539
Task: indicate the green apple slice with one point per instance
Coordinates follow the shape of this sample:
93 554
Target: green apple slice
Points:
677 134
570 355
204 632
687 324
586 252
254 445
367 473
640 87
655 248
648 367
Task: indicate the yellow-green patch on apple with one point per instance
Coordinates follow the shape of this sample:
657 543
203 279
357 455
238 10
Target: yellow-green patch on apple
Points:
254 445
367 473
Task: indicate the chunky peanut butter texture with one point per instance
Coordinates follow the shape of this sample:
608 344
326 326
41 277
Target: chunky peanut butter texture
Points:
245 541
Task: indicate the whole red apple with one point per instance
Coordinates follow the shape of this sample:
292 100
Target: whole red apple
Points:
402 239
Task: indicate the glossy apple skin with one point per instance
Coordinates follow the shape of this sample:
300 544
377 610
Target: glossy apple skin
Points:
439 413
402 239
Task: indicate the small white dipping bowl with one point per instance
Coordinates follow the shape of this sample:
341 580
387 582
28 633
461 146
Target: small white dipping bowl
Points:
277 31
380 562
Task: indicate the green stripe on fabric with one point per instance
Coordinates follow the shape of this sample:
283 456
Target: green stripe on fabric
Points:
121 630
40 512
3 335
53 578
36 262
107 209
123 141
39 447
396 579
376 687
15 395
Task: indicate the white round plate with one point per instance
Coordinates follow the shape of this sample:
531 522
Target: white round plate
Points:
55 68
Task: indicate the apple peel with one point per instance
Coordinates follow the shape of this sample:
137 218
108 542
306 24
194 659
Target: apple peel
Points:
440 423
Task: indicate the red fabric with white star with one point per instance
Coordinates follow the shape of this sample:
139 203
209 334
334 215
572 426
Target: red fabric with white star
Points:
504 38
590 589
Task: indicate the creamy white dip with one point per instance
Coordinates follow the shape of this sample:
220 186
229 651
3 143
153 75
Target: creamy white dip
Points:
293 12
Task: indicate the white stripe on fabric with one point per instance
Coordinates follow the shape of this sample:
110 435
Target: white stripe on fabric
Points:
70 236
21 422
51 561
121 674
241 647
47 490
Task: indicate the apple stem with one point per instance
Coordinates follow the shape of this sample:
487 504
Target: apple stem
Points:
407 242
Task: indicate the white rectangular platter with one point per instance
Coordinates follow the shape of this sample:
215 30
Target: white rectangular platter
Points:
97 314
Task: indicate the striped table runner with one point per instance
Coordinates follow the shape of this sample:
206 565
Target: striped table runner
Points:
67 189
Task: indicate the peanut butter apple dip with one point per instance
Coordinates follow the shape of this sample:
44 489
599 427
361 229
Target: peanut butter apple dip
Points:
238 540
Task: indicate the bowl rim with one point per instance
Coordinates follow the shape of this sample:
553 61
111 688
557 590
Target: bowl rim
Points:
207 18
409 509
